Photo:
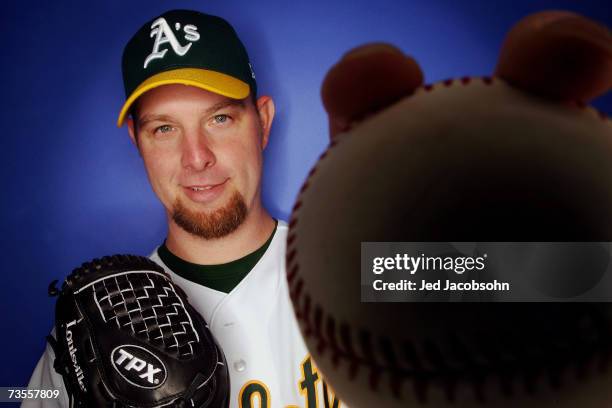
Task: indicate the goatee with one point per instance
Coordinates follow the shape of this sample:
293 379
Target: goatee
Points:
211 224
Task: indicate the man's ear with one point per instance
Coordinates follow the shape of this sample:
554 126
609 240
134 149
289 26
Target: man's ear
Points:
265 109
132 132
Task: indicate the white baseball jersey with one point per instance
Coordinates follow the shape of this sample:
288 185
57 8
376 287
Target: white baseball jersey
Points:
255 326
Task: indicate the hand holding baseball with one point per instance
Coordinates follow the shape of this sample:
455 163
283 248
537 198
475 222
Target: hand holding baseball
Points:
514 157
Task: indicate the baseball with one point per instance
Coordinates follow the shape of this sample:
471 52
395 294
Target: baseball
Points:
466 160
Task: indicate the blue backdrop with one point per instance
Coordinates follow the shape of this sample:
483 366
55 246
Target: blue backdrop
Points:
74 186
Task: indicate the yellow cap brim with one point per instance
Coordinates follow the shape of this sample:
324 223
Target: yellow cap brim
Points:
216 82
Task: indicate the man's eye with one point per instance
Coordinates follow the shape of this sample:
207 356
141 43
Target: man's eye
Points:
163 129
221 118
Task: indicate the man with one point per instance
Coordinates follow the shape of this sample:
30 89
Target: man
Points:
201 130
193 114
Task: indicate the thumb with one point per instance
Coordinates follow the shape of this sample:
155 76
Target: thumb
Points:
558 54
365 80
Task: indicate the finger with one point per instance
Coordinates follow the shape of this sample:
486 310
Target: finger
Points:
558 54
365 80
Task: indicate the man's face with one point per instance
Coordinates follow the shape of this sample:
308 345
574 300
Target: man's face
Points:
203 155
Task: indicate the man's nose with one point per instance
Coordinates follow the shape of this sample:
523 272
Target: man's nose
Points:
197 152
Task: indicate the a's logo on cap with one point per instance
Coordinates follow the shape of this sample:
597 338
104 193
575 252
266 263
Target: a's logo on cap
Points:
160 29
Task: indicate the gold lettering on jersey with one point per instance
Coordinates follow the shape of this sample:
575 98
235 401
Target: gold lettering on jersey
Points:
250 391
308 383
335 401
256 391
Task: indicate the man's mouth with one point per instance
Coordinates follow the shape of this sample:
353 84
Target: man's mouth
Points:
205 192
201 188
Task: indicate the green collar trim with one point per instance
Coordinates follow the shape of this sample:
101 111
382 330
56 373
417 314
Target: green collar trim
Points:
222 277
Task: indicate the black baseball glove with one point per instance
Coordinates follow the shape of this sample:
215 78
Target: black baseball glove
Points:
126 337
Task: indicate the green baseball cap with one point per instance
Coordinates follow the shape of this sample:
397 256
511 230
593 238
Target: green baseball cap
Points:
186 47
